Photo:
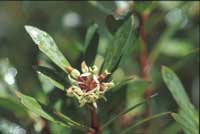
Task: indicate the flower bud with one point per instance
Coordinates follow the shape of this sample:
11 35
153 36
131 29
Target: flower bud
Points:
75 73
108 85
70 91
84 67
95 69
103 75
69 69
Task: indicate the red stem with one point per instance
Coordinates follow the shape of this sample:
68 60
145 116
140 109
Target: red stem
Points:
143 56
94 122
144 64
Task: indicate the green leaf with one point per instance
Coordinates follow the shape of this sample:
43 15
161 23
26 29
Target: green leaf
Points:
134 81
47 45
130 45
118 45
34 106
113 23
68 120
177 90
188 115
43 111
52 76
126 111
182 122
91 44
13 105
143 121
176 48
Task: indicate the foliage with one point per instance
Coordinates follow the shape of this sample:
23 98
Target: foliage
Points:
188 115
124 44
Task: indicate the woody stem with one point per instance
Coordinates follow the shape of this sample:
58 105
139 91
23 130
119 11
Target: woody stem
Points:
144 63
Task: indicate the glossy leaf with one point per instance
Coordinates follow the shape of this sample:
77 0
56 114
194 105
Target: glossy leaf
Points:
130 45
91 44
13 105
188 115
36 107
52 76
115 49
177 90
182 122
47 45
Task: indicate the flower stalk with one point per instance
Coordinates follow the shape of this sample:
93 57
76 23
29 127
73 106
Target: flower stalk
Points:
94 122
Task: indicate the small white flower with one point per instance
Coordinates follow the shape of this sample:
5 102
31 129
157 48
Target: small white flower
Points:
88 86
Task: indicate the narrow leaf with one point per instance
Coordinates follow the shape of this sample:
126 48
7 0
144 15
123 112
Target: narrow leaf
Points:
43 111
91 44
143 121
13 105
177 90
52 76
183 123
70 121
130 44
188 115
116 47
47 45
35 107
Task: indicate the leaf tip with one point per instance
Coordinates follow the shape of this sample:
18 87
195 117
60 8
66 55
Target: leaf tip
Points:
27 27
32 31
163 69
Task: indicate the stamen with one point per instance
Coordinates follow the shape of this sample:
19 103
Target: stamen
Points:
88 86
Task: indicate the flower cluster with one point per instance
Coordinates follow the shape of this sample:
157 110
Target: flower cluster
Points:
88 86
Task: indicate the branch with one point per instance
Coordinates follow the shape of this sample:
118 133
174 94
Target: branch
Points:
144 62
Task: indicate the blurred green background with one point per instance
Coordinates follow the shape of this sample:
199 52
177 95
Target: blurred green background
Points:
172 40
